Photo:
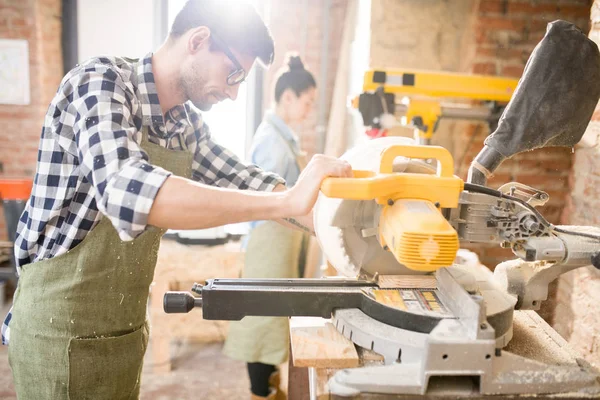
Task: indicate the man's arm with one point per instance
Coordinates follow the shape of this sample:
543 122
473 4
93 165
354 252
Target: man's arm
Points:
133 194
183 204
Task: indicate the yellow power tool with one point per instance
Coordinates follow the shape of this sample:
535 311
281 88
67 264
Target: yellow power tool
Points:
411 224
425 97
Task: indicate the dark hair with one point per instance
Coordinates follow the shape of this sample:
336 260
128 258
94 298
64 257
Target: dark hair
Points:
238 25
293 76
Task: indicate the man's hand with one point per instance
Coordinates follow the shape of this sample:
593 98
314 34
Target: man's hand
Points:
303 196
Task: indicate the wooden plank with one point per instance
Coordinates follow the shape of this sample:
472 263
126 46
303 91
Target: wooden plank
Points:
336 141
319 384
316 343
407 282
298 384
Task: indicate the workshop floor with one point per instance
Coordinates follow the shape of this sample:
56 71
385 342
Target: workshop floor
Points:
199 371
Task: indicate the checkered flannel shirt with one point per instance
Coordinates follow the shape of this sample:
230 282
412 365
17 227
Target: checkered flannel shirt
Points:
90 163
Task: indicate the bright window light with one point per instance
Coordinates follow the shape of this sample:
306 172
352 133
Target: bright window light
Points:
227 120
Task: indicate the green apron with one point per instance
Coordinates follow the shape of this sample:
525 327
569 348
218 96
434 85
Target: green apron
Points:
79 327
273 251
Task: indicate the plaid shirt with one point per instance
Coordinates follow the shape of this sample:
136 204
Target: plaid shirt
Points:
90 163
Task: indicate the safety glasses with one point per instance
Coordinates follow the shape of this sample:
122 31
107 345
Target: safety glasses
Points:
239 74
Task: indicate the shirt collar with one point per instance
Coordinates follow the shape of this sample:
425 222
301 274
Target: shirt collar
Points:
281 126
151 111
181 114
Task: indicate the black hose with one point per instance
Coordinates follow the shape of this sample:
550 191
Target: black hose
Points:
471 187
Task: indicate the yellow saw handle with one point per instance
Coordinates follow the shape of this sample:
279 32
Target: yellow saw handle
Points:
443 188
443 156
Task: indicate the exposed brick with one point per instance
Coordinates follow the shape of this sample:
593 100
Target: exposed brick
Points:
512 71
493 7
288 33
39 23
578 290
530 8
572 11
500 23
484 68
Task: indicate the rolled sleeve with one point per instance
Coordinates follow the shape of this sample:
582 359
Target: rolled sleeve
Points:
129 196
215 165
124 182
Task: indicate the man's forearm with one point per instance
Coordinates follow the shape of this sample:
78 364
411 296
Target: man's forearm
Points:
184 204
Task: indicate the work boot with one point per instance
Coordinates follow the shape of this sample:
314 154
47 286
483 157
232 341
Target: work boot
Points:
275 379
275 383
271 396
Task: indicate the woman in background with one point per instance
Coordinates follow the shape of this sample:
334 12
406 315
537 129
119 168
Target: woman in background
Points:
274 251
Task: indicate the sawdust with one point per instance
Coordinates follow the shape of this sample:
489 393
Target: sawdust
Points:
533 338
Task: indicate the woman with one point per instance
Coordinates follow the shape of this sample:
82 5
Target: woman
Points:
274 251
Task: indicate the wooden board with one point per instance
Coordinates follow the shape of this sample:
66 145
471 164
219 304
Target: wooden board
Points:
407 282
316 343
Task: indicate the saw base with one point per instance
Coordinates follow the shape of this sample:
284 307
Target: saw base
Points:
417 364
535 341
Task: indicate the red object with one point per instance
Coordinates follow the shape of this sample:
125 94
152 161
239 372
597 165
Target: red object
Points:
374 133
15 189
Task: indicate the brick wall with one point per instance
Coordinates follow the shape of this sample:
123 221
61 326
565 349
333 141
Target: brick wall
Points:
578 294
39 23
505 34
490 37
298 26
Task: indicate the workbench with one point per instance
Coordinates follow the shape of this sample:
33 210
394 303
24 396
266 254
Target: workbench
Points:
318 351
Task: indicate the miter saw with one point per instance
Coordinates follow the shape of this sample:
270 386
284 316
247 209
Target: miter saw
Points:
398 223
420 99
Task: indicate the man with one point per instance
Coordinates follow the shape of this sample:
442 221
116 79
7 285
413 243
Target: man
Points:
119 143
